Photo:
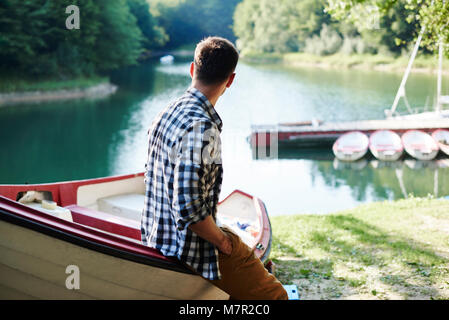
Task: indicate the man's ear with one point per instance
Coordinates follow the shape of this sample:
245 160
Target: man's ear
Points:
192 69
230 80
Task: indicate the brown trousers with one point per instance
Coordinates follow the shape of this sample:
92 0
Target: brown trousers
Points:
243 275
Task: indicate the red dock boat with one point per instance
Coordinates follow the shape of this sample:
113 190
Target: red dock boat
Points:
326 133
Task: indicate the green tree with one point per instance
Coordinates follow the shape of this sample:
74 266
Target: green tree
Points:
154 35
119 42
188 21
280 26
35 41
21 36
307 17
264 26
433 16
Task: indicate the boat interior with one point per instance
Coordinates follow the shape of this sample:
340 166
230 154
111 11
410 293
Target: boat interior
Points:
114 206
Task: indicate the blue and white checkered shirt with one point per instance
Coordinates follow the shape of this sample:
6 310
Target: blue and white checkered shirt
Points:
183 181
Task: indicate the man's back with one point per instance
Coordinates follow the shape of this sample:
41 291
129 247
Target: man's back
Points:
182 187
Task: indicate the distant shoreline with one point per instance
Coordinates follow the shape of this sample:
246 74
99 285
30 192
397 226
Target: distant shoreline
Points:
94 91
157 54
423 64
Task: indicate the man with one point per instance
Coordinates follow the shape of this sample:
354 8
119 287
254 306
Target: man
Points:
183 181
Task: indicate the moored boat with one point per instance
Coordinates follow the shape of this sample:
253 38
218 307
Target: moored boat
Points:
441 136
94 225
351 146
167 59
386 145
420 145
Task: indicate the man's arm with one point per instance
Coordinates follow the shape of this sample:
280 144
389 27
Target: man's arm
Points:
188 185
209 231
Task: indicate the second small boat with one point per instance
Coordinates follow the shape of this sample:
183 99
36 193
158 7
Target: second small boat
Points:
351 146
386 145
420 145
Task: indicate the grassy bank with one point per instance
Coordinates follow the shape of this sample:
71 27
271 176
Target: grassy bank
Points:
14 84
422 63
388 250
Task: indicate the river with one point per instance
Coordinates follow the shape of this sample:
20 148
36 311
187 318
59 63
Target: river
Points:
80 139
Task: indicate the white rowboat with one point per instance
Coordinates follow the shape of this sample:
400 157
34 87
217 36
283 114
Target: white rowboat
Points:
351 146
386 145
420 145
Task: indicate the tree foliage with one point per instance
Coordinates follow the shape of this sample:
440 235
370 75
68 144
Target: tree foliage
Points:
154 35
263 25
387 26
431 15
278 26
35 41
188 21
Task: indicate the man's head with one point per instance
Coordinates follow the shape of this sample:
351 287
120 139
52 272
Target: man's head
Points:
215 62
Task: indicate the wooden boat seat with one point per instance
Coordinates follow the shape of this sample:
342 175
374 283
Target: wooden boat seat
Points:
128 206
106 222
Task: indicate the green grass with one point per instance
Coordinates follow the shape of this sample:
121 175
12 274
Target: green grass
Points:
361 61
12 84
388 250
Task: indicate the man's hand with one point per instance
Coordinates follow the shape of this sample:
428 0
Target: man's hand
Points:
226 246
209 231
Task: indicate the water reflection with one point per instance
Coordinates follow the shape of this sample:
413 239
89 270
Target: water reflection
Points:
371 179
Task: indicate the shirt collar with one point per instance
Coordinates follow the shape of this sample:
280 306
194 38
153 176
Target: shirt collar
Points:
205 103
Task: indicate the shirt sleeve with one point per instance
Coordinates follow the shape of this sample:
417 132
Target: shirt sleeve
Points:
194 156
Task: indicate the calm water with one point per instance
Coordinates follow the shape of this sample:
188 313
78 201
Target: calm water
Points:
93 138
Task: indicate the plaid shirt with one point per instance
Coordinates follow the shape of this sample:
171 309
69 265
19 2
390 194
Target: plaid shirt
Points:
183 181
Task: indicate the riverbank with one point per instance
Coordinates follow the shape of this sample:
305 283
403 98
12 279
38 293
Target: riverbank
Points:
22 91
422 63
387 250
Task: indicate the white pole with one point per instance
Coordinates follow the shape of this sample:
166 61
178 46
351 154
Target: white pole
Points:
440 68
401 90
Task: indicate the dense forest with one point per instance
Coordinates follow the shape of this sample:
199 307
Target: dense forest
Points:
34 40
324 27
114 33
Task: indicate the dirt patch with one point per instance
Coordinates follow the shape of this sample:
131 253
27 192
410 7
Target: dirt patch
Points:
351 281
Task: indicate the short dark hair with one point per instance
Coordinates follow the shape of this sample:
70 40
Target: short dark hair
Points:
215 60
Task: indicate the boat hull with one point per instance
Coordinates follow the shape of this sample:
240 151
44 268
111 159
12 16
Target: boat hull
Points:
386 145
444 148
442 138
33 266
420 145
425 156
351 146
353 156
387 156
